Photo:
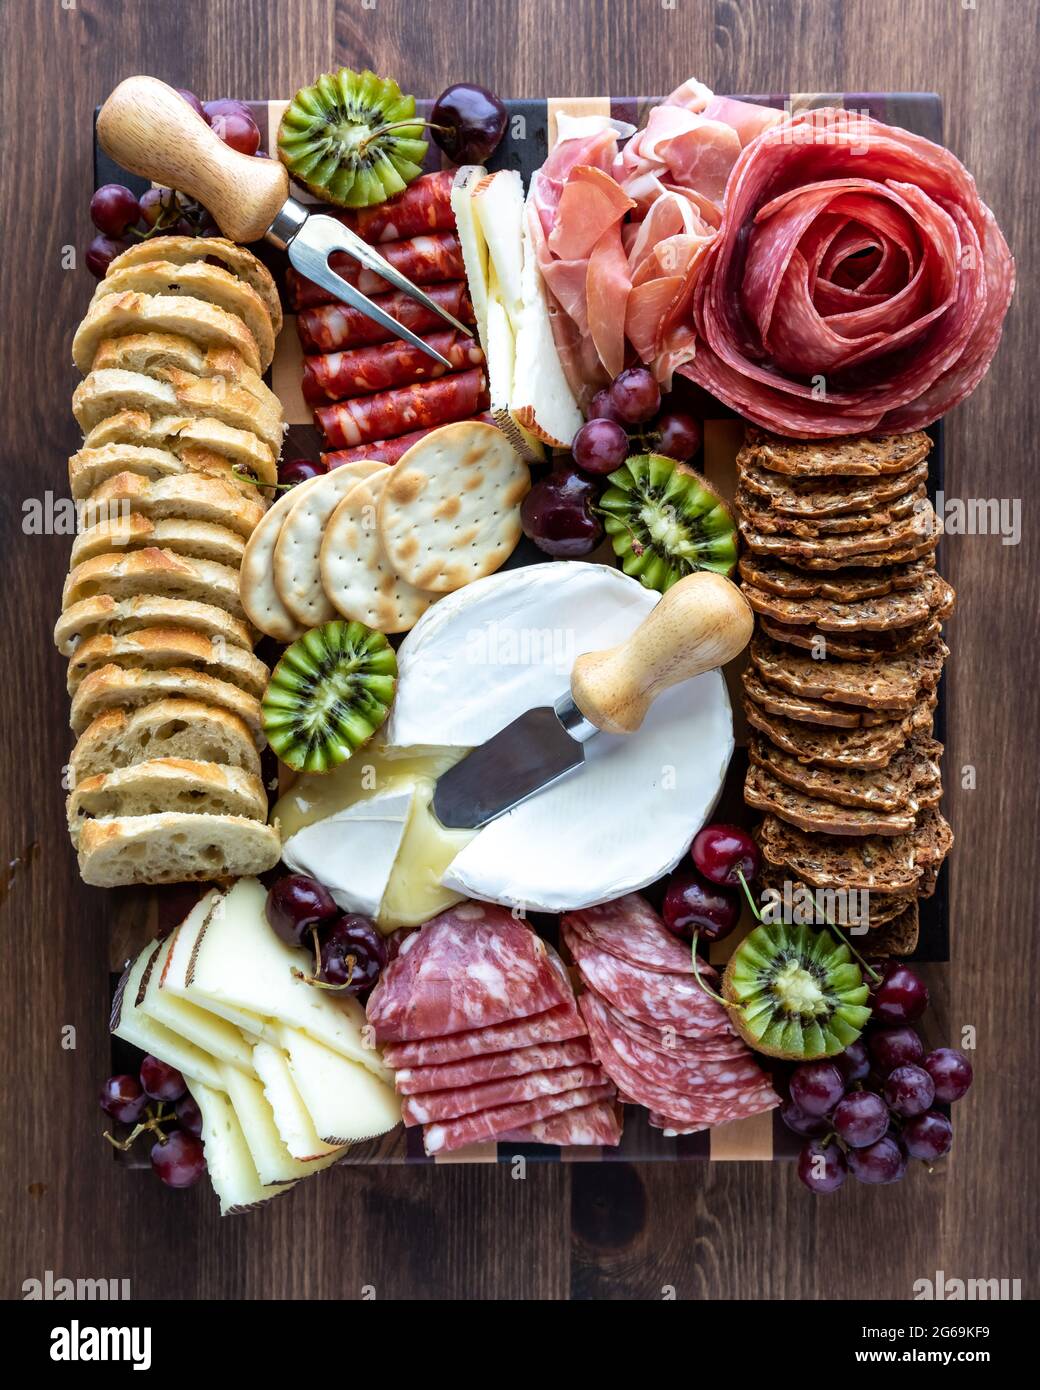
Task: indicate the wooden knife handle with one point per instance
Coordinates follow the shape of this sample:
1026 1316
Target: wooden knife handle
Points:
701 622
150 130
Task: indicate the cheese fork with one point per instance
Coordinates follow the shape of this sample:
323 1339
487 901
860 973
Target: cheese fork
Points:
149 129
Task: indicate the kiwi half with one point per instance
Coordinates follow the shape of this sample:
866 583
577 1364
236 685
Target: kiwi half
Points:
795 993
665 521
328 695
351 140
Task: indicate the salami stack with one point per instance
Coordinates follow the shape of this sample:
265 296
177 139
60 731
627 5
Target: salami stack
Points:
478 1019
663 1040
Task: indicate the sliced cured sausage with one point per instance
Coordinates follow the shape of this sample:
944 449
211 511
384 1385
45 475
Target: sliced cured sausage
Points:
423 207
448 1135
407 408
554 1025
509 1090
425 260
469 967
473 1070
630 929
338 376
710 1047
387 450
334 327
591 1124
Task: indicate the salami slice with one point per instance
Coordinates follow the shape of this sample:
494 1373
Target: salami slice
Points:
334 327
509 1090
675 1001
469 967
412 1081
387 450
555 1025
389 413
338 376
630 929
713 1046
425 260
423 207
591 1124
448 1135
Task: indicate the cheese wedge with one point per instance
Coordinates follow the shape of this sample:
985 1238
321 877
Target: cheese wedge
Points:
471 239
228 1160
346 1102
222 1040
498 202
271 1157
291 1117
133 1025
176 968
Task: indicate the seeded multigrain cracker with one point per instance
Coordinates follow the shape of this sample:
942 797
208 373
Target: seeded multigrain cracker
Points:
450 512
355 571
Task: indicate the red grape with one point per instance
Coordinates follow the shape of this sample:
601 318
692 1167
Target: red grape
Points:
909 1091
822 1167
473 122
692 905
100 254
233 122
123 1099
353 954
895 1047
635 396
854 1062
680 435
723 852
295 904
189 1114
600 446
816 1087
113 208
293 471
951 1073
557 514
179 1160
600 407
882 1162
901 997
224 106
928 1136
160 1080
809 1126
192 101
156 203
861 1118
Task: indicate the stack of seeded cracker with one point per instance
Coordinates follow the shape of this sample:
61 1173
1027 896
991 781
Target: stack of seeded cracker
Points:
839 567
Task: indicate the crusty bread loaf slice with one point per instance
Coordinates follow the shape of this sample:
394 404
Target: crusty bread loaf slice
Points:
182 434
106 390
104 614
154 571
159 354
175 847
164 729
158 648
89 468
166 784
202 540
196 280
119 687
191 497
181 249
205 324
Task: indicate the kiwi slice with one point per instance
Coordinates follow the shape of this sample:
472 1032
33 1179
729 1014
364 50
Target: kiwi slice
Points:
665 521
795 993
328 695
352 139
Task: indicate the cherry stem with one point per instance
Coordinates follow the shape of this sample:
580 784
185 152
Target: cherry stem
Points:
398 125
697 976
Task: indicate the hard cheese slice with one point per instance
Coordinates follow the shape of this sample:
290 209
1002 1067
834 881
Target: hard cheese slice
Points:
471 239
268 1150
213 1034
134 1026
176 968
228 1160
345 1101
292 1118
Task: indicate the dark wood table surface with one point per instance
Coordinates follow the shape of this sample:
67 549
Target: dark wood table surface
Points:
563 1231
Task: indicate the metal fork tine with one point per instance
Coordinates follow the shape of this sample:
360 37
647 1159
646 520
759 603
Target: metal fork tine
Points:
372 260
352 296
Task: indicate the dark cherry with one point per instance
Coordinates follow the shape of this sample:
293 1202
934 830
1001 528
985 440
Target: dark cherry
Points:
928 1136
123 1098
295 904
353 954
680 435
909 1091
854 1062
723 852
901 997
808 1126
557 513
822 1167
179 1160
160 1080
816 1087
692 906
471 123
894 1047
294 471
189 1114
951 1073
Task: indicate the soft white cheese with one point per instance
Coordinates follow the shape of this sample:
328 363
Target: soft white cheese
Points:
352 852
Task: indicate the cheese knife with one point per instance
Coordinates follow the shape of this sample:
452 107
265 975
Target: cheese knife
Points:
702 622
149 129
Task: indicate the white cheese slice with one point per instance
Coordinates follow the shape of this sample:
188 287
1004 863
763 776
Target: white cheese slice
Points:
346 1102
134 1026
207 1030
173 977
498 202
505 644
291 1117
271 1158
228 1160
471 239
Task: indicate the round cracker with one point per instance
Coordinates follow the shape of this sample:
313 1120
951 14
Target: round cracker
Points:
297 552
264 609
356 572
451 511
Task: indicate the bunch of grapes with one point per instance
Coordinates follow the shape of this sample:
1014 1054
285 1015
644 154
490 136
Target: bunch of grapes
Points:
142 1102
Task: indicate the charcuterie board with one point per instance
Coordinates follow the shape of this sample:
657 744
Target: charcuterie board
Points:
529 135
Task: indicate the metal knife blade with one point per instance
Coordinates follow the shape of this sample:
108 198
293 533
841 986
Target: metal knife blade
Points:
534 751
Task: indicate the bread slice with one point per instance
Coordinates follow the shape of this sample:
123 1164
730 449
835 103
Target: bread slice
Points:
159 354
848 456
190 497
852 646
889 683
916 533
104 614
196 280
158 648
883 864
867 749
911 779
847 586
166 784
114 315
828 714
118 687
89 468
202 540
930 597
154 571
174 847
180 250
106 390
183 435
764 792
165 729
816 527
819 497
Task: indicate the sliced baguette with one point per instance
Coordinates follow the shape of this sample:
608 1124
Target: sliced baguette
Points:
158 648
167 784
175 847
205 324
180 250
154 571
182 435
89 468
159 354
191 497
118 687
165 729
202 540
103 614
